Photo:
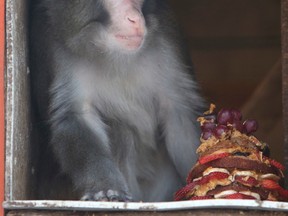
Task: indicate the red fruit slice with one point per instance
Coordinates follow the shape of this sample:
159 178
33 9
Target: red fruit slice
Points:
201 197
208 158
213 175
270 184
239 196
248 181
180 194
276 164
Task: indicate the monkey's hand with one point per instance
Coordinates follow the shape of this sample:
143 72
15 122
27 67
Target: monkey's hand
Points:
106 183
109 195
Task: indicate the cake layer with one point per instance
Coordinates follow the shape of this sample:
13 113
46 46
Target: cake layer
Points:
231 163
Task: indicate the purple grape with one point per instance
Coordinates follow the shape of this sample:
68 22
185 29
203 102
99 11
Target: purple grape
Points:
224 116
207 134
250 126
238 125
208 126
236 114
219 130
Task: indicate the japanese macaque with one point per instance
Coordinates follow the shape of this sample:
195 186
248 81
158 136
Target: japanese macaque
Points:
114 88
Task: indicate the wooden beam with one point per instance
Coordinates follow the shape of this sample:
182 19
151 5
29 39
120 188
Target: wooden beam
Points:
2 114
284 27
214 212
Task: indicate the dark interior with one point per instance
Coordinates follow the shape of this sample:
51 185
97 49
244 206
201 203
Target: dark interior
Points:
236 49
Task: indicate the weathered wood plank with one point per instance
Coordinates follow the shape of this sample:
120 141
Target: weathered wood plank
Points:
176 213
284 26
18 155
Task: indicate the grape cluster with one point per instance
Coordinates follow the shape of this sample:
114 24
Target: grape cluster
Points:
216 124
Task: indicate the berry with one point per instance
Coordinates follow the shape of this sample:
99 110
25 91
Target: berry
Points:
250 126
237 125
208 126
236 115
219 130
207 134
224 116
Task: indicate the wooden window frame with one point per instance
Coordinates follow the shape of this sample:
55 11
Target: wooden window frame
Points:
15 86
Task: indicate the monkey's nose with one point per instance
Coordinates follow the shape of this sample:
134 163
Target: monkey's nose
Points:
131 20
134 18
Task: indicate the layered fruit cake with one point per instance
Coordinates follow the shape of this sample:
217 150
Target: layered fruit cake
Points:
232 164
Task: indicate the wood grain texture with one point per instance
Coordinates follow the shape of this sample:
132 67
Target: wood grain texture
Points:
19 169
284 27
2 105
223 212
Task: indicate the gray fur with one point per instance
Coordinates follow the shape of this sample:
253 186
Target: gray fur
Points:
121 125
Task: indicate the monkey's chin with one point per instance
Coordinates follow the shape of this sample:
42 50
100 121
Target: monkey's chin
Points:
130 43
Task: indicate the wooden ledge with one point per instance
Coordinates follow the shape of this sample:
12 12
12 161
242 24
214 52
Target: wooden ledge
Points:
66 207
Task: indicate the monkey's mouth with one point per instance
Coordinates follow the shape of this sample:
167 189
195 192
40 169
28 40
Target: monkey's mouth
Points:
129 37
130 41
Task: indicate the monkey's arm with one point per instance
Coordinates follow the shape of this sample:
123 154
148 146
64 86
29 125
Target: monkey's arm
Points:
182 140
82 146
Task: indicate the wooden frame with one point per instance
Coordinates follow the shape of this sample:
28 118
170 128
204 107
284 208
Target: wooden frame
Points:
16 57
284 26
2 114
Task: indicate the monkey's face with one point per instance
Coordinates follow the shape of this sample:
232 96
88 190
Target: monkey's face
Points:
103 26
126 29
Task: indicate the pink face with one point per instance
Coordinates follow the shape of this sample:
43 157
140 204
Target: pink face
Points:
127 30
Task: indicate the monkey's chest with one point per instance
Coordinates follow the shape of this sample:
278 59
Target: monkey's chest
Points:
134 108
131 102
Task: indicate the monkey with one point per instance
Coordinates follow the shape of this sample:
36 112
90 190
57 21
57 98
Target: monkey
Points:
115 91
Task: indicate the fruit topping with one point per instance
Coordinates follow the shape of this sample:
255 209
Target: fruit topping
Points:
226 120
239 196
275 163
224 117
208 126
207 134
236 114
250 126
219 130
180 194
247 180
270 184
209 158
231 162
213 175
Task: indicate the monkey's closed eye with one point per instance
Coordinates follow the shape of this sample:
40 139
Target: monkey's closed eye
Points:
101 16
